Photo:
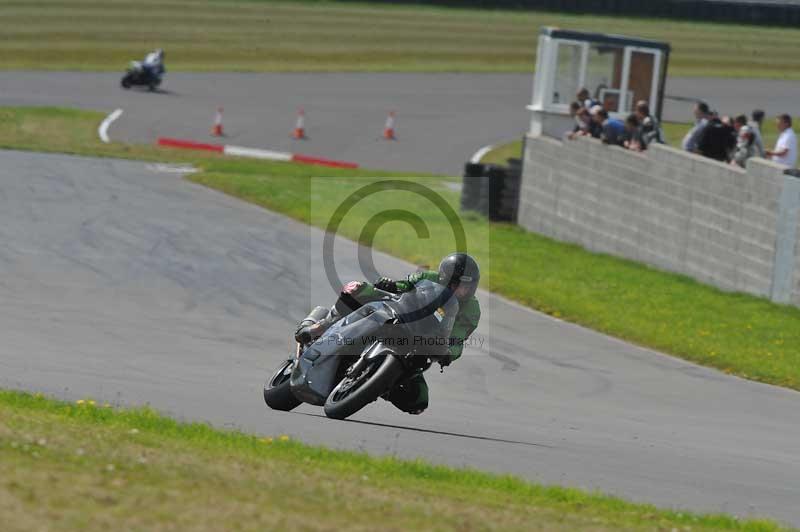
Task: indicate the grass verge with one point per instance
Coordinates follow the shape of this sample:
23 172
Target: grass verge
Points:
501 153
737 333
260 36
90 467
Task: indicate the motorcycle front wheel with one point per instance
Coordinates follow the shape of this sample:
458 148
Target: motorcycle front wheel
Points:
354 392
126 81
277 392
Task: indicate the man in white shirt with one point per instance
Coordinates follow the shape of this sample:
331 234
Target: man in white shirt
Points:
785 151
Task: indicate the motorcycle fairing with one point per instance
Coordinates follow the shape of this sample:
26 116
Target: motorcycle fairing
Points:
315 374
428 312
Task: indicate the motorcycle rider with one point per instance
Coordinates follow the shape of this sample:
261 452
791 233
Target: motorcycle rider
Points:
457 271
153 63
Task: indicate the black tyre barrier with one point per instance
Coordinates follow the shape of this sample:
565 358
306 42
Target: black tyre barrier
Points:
492 190
471 186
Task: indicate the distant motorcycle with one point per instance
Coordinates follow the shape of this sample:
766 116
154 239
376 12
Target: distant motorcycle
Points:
140 75
366 353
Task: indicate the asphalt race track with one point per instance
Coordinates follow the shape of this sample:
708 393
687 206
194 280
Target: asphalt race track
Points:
442 119
123 282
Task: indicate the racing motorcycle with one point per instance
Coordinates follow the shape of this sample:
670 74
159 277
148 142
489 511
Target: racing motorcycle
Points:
137 74
362 356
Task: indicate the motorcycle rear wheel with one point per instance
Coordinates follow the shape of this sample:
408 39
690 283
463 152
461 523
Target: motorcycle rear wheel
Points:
277 392
355 392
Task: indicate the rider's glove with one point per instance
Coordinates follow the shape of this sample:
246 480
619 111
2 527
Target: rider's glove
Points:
384 283
352 287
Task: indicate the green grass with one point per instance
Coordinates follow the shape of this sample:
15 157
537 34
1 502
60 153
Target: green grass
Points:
56 129
501 153
736 333
70 466
259 36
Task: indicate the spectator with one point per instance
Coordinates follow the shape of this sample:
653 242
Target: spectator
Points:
583 125
650 130
574 107
595 124
613 130
785 151
585 98
633 134
717 140
701 118
745 141
755 127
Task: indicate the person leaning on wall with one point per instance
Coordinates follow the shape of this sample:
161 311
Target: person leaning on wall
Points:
574 108
596 121
612 129
633 139
650 129
583 125
702 114
745 142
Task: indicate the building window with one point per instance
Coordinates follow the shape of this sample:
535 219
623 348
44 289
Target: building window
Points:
568 73
604 71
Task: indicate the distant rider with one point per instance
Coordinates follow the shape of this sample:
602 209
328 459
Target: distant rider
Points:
457 271
154 63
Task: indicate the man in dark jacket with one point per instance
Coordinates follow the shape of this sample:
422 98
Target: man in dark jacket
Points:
650 130
717 140
633 134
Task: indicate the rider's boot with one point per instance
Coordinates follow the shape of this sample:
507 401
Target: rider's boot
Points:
315 324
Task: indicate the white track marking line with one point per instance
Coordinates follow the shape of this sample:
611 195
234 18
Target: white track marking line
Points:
104 125
172 168
258 154
476 158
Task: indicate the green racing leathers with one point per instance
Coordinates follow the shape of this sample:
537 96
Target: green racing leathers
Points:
412 395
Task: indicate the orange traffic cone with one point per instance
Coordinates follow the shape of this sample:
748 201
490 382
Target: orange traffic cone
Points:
299 132
388 129
216 129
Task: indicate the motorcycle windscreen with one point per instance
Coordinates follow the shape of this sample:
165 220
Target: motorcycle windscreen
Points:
428 313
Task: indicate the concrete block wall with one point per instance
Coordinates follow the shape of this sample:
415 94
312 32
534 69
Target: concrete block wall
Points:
796 290
680 212
792 197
